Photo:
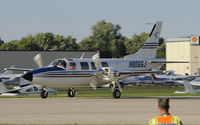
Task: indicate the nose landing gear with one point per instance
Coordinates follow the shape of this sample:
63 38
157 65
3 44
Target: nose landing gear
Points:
71 92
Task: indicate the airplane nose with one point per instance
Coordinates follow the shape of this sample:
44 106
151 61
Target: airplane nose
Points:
28 76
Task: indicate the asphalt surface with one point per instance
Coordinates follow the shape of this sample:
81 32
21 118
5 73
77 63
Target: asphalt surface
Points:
93 110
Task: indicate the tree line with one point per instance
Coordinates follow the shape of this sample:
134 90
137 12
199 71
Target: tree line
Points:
106 37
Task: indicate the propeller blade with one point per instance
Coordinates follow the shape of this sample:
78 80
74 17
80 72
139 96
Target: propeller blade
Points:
38 60
96 60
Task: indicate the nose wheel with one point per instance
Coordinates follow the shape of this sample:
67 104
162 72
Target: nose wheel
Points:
44 93
116 94
71 92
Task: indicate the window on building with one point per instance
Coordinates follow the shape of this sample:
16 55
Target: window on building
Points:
72 66
84 66
104 64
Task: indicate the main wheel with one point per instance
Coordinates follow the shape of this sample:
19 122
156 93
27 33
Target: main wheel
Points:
71 92
44 93
116 94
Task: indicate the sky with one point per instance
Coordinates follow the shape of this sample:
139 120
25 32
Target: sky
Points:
20 18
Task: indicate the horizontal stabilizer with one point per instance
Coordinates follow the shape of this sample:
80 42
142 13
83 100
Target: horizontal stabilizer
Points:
164 61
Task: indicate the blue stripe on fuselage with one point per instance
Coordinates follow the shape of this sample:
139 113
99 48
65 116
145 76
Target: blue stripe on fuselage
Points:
45 69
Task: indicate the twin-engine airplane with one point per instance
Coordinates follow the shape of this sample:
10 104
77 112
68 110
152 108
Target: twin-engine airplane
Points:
93 72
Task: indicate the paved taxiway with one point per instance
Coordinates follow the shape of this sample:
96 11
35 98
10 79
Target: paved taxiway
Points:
92 110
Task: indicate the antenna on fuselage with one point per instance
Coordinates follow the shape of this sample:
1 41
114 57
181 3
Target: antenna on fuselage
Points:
82 55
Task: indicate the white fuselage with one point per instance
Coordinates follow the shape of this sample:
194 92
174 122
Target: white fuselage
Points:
77 72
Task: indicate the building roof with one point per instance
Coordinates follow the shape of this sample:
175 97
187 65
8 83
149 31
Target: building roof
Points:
178 39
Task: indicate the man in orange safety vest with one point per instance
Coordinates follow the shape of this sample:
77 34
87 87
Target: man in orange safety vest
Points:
165 118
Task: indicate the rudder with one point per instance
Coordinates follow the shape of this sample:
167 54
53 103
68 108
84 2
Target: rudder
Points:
149 49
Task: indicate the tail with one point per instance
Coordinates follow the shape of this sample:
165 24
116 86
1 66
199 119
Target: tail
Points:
154 78
3 89
149 49
188 87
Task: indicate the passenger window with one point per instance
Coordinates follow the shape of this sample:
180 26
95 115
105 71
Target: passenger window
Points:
104 64
35 88
29 90
93 66
84 66
72 65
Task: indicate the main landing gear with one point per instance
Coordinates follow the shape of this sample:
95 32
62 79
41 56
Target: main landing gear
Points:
116 90
116 94
44 92
71 92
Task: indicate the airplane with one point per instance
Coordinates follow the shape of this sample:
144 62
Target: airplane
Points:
157 79
93 72
9 78
188 88
25 89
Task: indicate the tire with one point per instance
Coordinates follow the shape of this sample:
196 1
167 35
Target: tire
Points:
71 92
44 94
116 94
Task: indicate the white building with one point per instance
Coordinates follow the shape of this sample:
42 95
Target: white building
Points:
183 49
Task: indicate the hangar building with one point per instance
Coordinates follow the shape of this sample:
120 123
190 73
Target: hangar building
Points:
24 59
183 49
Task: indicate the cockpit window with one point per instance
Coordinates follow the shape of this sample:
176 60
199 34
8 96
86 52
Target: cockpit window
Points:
84 66
72 65
60 63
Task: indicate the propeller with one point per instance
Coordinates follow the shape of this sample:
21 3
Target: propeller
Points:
104 75
38 60
96 60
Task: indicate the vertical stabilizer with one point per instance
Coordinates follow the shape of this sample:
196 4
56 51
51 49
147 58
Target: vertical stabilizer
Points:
3 89
149 49
188 87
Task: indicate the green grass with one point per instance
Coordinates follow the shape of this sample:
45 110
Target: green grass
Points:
133 91
82 124
71 124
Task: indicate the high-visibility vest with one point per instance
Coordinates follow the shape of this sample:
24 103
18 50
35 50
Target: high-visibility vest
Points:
165 120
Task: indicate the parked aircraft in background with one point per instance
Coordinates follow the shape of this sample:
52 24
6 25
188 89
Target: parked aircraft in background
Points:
157 79
93 72
188 88
194 81
25 89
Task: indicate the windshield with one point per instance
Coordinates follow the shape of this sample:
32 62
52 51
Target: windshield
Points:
60 63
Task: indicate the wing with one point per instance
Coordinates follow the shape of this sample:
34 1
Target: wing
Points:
125 74
18 69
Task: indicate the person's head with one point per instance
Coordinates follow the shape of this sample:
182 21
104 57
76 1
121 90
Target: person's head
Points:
163 105
63 64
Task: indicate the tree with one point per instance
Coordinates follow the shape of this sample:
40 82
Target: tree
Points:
71 43
27 43
9 46
134 44
1 41
106 38
161 49
45 40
